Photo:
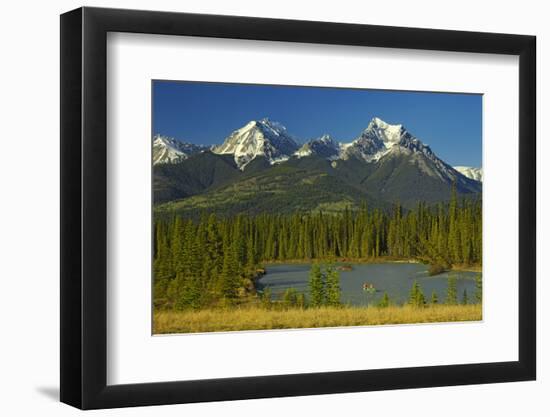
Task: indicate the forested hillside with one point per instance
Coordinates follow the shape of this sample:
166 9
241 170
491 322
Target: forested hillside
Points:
210 259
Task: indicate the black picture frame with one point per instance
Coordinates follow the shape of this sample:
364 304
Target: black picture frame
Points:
84 207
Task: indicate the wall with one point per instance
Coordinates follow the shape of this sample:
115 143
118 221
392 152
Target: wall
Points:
29 220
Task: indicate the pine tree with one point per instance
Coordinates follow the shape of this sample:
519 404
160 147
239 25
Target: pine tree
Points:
454 231
188 292
290 297
316 286
301 301
266 298
413 293
250 254
229 277
416 296
332 286
384 301
451 291
479 289
214 244
175 293
464 297
162 268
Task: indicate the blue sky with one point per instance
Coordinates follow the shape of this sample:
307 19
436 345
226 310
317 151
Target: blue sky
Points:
206 113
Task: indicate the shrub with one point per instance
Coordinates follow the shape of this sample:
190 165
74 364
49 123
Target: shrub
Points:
436 269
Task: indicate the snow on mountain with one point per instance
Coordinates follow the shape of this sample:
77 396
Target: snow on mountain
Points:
471 172
258 138
324 146
381 141
389 134
167 150
424 157
375 141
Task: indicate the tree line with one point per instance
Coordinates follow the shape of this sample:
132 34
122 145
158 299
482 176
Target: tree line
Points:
418 299
216 259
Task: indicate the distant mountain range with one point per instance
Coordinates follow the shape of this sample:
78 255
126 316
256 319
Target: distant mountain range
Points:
170 150
262 167
471 172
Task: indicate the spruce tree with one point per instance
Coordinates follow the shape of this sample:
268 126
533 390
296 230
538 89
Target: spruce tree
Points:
301 301
250 255
464 297
454 232
214 244
416 296
384 301
266 298
451 291
316 286
162 265
176 291
290 297
413 293
420 299
229 277
479 289
332 286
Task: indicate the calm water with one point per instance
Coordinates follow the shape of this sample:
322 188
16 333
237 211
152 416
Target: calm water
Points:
394 278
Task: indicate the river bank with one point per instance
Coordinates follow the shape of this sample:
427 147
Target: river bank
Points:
258 318
467 268
378 260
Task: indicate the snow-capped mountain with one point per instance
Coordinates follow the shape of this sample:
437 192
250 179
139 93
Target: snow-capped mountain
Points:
385 162
168 150
375 141
381 141
378 143
258 138
471 172
324 146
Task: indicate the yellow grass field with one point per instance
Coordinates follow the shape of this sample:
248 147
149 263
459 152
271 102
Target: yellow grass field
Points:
257 318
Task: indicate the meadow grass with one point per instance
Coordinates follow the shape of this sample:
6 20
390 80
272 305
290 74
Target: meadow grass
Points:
258 318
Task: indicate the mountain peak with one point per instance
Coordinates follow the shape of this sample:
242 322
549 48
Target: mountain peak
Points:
325 138
268 122
323 146
167 150
262 137
387 133
378 122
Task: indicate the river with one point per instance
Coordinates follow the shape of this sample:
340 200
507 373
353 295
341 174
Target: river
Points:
394 278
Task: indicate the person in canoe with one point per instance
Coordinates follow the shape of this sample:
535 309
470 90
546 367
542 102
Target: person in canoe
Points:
368 287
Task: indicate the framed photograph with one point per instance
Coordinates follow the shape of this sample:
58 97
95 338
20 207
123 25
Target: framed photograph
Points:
257 208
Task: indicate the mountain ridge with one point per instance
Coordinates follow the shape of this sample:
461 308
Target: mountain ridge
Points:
470 172
271 140
384 163
167 149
